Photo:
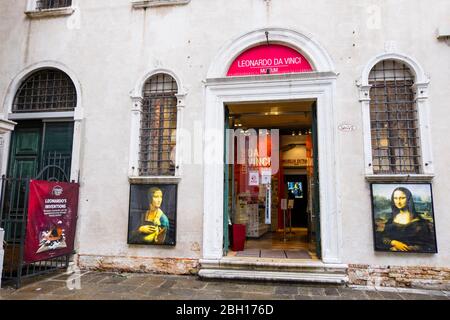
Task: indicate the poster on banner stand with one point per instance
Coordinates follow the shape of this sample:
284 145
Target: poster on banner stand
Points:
290 204
266 176
253 178
51 220
283 204
268 209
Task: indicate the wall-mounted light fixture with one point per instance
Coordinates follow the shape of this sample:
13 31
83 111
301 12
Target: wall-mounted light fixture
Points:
443 33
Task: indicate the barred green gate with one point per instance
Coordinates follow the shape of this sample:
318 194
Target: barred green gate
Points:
13 219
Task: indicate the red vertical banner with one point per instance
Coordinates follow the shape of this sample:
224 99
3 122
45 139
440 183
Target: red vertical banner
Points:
52 218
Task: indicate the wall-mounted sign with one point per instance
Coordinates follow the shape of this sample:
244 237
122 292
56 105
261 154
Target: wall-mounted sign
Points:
345 127
52 218
294 162
269 59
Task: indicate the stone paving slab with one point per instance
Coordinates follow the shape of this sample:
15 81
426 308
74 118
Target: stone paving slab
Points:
126 286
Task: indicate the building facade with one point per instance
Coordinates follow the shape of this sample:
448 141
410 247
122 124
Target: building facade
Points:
373 67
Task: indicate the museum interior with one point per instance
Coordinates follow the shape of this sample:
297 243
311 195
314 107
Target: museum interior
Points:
271 181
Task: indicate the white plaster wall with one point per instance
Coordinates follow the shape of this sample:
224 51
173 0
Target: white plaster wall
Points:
112 45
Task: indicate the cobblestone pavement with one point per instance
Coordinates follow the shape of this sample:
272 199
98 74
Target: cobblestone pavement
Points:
124 286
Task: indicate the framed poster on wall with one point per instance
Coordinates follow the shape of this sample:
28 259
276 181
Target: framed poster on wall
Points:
152 214
403 217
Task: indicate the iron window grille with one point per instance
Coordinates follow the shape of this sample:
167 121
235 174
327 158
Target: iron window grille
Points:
158 126
52 4
393 119
46 90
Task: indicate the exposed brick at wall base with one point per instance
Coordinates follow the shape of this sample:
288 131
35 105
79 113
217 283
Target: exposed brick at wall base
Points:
138 264
395 276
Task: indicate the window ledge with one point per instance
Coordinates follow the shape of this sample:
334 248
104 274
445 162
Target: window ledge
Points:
400 177
155 180
44 13
41 115
142 4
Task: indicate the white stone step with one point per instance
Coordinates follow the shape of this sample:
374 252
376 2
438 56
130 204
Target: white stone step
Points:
324 278
311 271
283 265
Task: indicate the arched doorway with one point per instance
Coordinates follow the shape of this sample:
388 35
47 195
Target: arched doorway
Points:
44 103
316 85
41 140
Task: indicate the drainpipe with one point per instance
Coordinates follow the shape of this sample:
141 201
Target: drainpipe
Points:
1 254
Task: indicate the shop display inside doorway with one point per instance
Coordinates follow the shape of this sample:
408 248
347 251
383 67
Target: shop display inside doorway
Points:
295 189
269 153
403 218
152 215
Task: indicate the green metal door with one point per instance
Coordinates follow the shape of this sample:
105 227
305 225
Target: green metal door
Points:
23 165
57 145
25 150
34 145
316 187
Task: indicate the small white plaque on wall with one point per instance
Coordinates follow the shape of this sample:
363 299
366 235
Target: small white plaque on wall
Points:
390 46
346 127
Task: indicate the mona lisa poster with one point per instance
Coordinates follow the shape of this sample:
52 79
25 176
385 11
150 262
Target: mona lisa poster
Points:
403 218
152 215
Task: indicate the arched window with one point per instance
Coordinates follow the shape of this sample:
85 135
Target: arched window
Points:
158 126
394 119
46 90
46 93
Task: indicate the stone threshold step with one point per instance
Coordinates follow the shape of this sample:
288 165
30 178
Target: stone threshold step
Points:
273 276
274 266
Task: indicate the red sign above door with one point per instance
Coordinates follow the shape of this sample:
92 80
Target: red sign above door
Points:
269 59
